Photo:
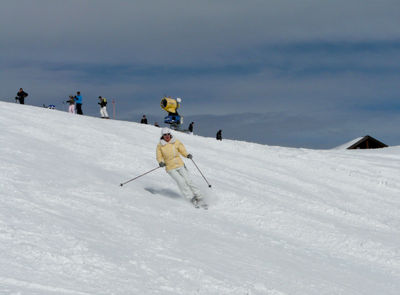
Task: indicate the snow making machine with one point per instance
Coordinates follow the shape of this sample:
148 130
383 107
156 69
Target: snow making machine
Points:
171 105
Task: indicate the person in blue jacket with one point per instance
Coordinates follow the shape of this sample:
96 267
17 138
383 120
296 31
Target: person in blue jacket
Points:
78 103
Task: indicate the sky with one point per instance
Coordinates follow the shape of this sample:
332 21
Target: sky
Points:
304 73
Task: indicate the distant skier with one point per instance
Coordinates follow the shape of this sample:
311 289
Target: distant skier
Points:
103 107
156 124
71 102
191 128
219 135
21 94
78 103
144 120
168 154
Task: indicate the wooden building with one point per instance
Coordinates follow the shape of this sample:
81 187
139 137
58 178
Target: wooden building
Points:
367 142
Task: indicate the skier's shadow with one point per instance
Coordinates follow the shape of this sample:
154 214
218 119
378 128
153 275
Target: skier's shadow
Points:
164 192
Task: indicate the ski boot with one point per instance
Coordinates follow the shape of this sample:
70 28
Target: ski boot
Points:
198 202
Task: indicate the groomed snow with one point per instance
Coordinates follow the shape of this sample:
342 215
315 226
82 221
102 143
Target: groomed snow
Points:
281 220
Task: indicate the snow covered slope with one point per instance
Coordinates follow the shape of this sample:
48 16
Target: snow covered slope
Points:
281 220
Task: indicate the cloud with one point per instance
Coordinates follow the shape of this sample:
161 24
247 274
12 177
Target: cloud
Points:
317 130
297 58
179 31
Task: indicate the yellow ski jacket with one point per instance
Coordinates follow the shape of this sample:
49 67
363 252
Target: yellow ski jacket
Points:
169 153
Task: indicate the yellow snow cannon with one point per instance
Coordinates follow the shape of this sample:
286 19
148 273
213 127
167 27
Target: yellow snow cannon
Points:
171 105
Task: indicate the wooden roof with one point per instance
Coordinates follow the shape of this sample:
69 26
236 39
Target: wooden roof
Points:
367 142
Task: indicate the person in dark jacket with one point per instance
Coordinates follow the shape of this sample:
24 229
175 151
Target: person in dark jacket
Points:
78 103
144 120
191 127
103 107
21 94
219 135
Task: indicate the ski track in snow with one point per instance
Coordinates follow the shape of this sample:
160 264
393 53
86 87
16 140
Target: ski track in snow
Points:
281 220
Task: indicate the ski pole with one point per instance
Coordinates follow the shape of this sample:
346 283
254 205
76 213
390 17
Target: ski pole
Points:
139 176
209 185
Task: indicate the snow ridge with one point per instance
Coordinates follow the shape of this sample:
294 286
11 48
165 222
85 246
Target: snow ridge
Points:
281 220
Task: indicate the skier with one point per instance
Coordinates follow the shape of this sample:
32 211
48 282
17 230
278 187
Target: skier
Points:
78 103
144 120
21 94
71 101
191 128
219 135
168 155
103 107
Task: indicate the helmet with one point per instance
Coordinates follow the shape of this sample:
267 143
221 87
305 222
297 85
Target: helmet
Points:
165 130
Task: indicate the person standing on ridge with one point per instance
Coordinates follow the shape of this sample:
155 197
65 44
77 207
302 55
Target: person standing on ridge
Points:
21 94
71 102
78 103
103 107
191 128
144 120
168 155
219 135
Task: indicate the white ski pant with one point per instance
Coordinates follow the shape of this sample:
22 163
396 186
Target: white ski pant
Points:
71 109
185 184
103 112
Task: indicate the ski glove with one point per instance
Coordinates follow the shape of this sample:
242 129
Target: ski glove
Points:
189 156
162 164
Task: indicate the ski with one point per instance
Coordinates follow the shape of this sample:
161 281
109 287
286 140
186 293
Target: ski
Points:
203 206
199 204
